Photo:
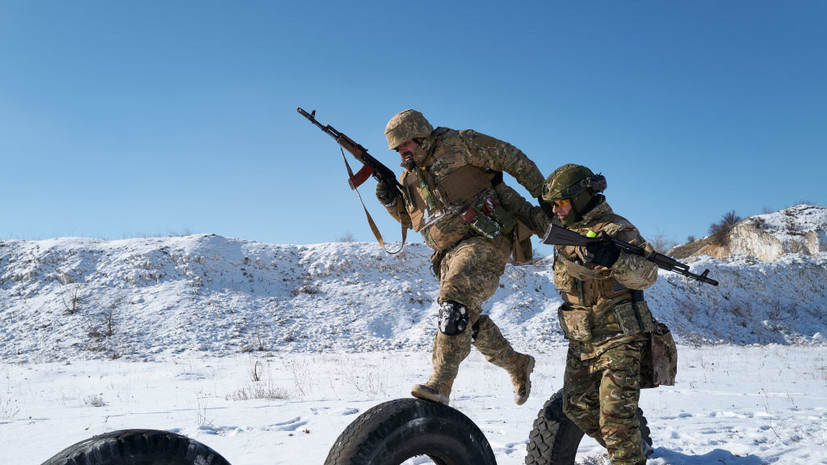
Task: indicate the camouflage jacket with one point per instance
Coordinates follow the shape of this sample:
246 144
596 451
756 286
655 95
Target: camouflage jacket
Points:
606 293
597 290
449 177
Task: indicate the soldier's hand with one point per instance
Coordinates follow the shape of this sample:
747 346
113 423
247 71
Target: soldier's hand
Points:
386 194
603 251
495 176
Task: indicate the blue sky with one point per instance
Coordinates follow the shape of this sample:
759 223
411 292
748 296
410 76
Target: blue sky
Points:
143 118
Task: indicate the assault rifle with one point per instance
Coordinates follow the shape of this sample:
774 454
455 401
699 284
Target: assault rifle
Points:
558 235
372 166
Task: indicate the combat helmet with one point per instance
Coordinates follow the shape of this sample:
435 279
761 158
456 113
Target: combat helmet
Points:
576 183
406 125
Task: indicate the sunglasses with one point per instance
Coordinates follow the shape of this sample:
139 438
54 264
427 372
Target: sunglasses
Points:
561 203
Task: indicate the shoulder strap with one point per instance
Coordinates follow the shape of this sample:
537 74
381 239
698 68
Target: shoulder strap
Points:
372 224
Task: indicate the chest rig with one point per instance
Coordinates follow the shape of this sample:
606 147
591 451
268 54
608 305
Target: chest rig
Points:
448 200
596 307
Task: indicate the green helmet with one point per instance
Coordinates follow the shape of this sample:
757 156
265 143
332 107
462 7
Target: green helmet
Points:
569 180
574 182
406 125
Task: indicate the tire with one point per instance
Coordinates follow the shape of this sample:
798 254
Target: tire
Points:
554 438
392 432
138 447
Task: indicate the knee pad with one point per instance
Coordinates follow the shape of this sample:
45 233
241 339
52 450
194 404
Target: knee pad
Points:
453 318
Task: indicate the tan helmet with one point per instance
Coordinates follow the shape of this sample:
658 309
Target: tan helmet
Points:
406 125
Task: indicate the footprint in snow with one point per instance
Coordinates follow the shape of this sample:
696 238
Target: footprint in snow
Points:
289 425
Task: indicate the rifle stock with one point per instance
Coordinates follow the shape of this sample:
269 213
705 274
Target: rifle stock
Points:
558 235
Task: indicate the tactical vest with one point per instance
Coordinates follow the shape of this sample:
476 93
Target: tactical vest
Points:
461 204
596 307
457 204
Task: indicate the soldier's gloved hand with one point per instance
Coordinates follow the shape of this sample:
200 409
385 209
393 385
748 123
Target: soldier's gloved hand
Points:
496 177
386 193
603 251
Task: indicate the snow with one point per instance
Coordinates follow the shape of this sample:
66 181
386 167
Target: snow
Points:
266 352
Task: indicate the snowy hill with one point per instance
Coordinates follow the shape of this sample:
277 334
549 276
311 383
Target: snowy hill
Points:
800 229
75 298
267 352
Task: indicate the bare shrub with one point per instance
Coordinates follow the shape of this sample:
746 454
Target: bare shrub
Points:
71 299
8 409
661 243
259 391
719 231
256 389
346 237
95 400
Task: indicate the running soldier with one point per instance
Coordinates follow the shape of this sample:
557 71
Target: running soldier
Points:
451 193
603 314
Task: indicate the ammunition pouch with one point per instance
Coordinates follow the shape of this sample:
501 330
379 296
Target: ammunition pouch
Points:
624 318
575 324
633 317
489 219
659 359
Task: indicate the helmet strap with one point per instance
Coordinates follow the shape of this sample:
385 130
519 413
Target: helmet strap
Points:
576 214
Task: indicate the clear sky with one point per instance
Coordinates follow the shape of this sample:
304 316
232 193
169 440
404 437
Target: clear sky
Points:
142 118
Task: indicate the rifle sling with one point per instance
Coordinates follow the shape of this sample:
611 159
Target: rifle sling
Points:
372 224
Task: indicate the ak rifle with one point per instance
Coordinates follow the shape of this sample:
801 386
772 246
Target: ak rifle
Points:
558 235
372 166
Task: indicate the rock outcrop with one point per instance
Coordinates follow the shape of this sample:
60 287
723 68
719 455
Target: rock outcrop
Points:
801 229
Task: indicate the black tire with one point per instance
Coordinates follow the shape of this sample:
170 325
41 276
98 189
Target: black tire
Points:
138 447
392 432
555 438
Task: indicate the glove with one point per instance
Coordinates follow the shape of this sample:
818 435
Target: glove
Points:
496 177
386 193
603 251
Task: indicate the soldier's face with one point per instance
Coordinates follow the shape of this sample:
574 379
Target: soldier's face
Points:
561 208
407 149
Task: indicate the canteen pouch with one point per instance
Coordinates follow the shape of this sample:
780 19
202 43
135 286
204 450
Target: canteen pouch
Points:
575 324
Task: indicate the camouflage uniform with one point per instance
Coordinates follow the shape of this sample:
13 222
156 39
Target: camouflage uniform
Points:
602 381
607 330
446 182
604 318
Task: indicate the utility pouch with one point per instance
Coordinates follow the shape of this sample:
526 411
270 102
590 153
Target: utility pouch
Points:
626 318
659 360
633 317
575 324
482 224
502 217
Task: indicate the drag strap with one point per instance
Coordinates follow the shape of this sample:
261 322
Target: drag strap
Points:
372 224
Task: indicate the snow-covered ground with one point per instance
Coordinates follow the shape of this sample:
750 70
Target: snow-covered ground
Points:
732 405
172 333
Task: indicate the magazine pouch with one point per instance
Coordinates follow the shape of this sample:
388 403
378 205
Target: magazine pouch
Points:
575 324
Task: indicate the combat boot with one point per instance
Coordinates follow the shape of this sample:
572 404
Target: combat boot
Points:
433 390
521 377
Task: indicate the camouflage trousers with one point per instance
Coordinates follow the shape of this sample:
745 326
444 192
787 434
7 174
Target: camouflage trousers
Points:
601 395
470 274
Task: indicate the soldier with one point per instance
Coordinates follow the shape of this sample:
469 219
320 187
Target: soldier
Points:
452 184
603 314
